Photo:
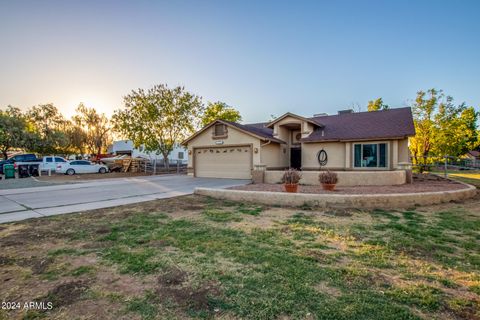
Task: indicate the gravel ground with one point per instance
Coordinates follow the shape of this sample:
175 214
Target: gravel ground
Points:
417 186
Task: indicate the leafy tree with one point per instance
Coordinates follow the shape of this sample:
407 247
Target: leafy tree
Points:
376 105
94 130
76 137
442 128
14 130
49 124
456 129
158 118
220 110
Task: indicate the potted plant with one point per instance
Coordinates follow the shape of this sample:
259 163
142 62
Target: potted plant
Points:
328 179
290 180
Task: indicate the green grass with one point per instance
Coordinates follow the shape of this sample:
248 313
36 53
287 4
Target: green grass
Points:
144 306
467 176
82 270
379 264
217 215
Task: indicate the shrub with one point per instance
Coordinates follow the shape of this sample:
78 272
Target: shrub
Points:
328 177
291 176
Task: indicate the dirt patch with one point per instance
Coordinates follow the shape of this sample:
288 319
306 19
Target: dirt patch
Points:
172 277
323 287
99 309
5 261
188 298
417 186
265 220
38 265
97 245
339 213
108 280
66 293
158 243
103 230
81 261
172 286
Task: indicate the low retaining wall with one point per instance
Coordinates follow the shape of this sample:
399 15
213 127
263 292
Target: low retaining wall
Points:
346 178
371 201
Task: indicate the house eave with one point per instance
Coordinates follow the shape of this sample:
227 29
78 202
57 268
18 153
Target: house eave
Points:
359 139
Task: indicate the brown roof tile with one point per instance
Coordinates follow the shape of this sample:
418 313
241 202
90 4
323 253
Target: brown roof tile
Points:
385 124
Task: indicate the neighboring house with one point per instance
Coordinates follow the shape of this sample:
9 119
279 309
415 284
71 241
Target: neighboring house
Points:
473 158
347 141
127 147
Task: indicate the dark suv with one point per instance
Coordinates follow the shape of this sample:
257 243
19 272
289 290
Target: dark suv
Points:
26 157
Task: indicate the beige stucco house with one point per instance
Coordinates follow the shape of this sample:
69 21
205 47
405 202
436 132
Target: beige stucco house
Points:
348 141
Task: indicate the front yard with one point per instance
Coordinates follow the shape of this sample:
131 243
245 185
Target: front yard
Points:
198 257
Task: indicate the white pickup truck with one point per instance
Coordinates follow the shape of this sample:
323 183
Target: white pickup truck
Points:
51 162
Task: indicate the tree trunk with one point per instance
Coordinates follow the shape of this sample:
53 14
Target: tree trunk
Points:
5 155
166 162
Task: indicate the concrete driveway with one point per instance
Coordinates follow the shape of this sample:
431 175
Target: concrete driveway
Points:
20 204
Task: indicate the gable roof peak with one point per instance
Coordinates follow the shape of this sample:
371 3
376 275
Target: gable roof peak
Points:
289 114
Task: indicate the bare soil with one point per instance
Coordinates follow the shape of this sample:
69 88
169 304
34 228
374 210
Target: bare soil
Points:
415 187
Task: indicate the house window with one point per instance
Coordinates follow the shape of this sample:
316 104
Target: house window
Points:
370 155
180 155
219 130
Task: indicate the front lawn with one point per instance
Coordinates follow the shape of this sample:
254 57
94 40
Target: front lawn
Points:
195 257
472 178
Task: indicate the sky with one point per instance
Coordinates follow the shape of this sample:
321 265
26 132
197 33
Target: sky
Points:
262 57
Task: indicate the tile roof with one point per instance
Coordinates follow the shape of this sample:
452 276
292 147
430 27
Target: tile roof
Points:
258 129
474 153
392 123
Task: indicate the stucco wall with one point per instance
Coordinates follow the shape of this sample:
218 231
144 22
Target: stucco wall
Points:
335 152
403 152
347 178
235 137
272 155
282 133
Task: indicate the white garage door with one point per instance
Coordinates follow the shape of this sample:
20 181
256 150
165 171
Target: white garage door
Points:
223 162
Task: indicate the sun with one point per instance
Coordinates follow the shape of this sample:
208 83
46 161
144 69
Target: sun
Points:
100 104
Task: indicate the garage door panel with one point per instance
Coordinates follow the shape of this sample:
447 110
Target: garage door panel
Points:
224 162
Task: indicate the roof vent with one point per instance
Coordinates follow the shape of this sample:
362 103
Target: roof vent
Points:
345 111
323 114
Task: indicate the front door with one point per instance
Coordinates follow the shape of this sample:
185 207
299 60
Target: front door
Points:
296 158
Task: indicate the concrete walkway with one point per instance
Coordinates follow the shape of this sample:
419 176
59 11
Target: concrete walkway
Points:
20 204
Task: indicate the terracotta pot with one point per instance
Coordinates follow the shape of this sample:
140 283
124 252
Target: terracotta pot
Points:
328 186
291 187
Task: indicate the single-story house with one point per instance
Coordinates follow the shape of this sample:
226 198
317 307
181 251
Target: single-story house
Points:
472 158
347 141
126 147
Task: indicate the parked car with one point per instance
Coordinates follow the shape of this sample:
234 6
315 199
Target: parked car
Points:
81 166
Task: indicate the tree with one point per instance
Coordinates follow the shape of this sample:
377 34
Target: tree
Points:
442 128
49 124
94 129
76 137
376 105
220 110
158 118
14 130
456 129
